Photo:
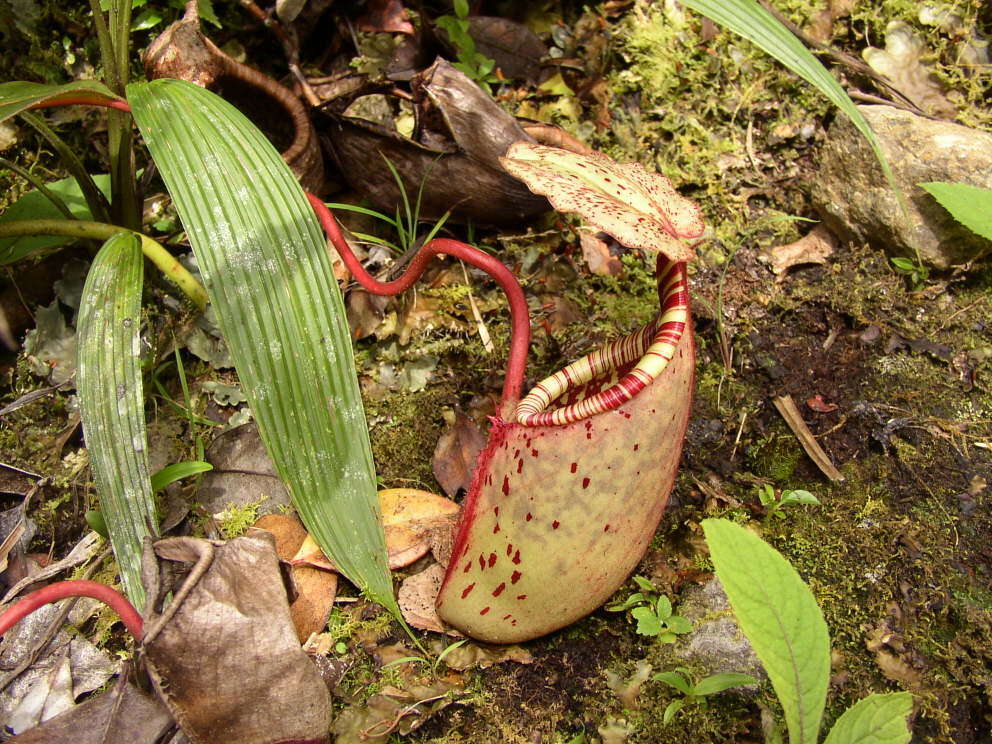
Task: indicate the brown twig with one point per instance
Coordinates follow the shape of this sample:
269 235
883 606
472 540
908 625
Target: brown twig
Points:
290 46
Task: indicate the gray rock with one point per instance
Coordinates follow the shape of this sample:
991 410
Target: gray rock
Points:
851 193
716 642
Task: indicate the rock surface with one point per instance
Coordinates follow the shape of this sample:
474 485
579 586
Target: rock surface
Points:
716 642
856 203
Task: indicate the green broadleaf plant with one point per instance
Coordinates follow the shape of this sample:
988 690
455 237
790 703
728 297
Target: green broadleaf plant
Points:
969 205
112 402
266 268
697 693
779 615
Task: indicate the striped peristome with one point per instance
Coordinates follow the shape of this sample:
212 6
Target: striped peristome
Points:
655 343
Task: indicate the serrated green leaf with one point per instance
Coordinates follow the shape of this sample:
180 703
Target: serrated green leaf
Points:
719 682
111 401
674 679
969 205
19 96
878 719
779 615
647 622
177 471
664 607
748 19
679 624
34 206
645 584
265 265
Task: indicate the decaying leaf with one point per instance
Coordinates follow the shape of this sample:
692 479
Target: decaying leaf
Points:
123 715
627 689
479 656
813 248
598 258
457 449
232 610
392 711
638 208
410 518
901 63
417 596
315 587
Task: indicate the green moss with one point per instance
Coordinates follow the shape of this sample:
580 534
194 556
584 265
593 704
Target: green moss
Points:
235 520
775 456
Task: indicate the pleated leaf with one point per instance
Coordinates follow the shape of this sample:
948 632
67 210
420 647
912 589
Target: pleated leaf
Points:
111 401
19 96
748 19
779 615
266 269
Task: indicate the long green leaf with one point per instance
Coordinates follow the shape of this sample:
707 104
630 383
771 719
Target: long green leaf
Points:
878 719
781 619
111 401
969 205
19 96
748 19
265 264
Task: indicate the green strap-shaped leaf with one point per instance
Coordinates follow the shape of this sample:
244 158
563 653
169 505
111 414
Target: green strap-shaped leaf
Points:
111 401
969 205
878 719
19 96
754 23
780 617
265 264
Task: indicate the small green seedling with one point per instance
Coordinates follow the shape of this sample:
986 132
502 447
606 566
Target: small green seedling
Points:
653 612
421 660
478 67
774 504
696 694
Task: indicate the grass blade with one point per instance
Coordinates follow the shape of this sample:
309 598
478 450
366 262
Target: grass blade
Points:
748 19
266 268
111 401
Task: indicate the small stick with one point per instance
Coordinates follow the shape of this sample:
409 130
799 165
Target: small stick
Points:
787 407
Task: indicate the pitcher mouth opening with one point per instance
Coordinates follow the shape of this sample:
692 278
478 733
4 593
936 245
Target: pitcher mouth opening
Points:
609 377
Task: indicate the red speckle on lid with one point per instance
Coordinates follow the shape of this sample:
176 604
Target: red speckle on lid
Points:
516 454
492 560
626 415
520 466
533 453
585 483
499 590
468 567
507 617
575 466
506 485
636 447
588 435
467 590
606 528
496 528
588 425
515 577
484 610
521 596
529 516
555 524
482 562
496 510
516 558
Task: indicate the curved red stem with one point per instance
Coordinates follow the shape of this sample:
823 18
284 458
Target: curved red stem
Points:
77 588
519 318
84 101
